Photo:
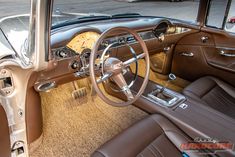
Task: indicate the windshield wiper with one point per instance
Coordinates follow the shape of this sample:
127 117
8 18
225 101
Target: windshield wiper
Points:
80 19
126 15
94 16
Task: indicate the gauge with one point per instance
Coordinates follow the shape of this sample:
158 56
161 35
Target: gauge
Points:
161 29
86 53
83 41
62 53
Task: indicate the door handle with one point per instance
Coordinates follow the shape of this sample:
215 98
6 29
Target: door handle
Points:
222 53
187 54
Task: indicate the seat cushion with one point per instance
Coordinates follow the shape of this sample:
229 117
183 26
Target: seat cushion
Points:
214 93
151 137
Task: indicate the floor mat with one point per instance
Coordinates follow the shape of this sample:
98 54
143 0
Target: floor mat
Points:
72 128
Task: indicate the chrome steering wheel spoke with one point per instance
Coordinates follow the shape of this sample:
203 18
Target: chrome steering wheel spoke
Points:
104 77
121 82
133 60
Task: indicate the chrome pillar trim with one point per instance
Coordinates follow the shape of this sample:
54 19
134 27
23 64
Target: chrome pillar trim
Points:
41 26
32 27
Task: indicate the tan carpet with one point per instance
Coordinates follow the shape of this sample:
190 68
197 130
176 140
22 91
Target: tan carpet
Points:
177 85
72 128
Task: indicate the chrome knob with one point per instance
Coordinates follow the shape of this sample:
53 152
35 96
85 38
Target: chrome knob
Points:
171 77
161 37
204 39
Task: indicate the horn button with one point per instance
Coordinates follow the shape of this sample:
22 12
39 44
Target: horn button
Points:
113 65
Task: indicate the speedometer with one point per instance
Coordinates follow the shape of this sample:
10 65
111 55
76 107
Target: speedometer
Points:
83 41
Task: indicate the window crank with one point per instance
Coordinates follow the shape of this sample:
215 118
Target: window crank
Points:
166 48
204 39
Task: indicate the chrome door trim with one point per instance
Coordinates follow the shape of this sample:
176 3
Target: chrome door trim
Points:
222 53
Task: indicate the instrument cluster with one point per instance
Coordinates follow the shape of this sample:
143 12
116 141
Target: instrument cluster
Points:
77 52
83 41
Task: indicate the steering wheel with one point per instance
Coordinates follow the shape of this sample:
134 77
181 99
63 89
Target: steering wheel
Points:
113 68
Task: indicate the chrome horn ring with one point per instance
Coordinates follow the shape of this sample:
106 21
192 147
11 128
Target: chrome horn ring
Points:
136 64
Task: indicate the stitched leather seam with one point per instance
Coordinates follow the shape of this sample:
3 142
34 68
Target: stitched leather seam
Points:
171 130
208 91
150 117
191 92
157 149
151 150
100 153
140 154
156 122
172 143
151 142
179 133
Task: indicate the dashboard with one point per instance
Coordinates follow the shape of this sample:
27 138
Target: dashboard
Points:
71 46
84 42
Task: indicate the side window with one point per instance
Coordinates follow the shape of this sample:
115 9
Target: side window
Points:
215 17
230 22
221 15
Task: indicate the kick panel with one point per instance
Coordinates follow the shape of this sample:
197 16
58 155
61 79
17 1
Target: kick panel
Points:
5 146
158 61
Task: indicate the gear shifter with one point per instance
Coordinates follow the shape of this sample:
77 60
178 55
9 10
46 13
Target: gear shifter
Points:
171 77
160 94
164 96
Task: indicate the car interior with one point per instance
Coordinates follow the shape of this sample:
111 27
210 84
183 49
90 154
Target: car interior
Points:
123 87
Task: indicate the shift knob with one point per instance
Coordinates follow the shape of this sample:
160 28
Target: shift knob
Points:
171 77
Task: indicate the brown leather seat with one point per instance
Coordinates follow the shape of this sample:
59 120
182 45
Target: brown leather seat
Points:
214 93
151 137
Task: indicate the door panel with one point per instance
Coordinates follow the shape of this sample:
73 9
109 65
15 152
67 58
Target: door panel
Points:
199 54
220 57
5 150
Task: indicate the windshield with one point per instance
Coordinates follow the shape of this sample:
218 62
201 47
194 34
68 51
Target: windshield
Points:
14 27
68 10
